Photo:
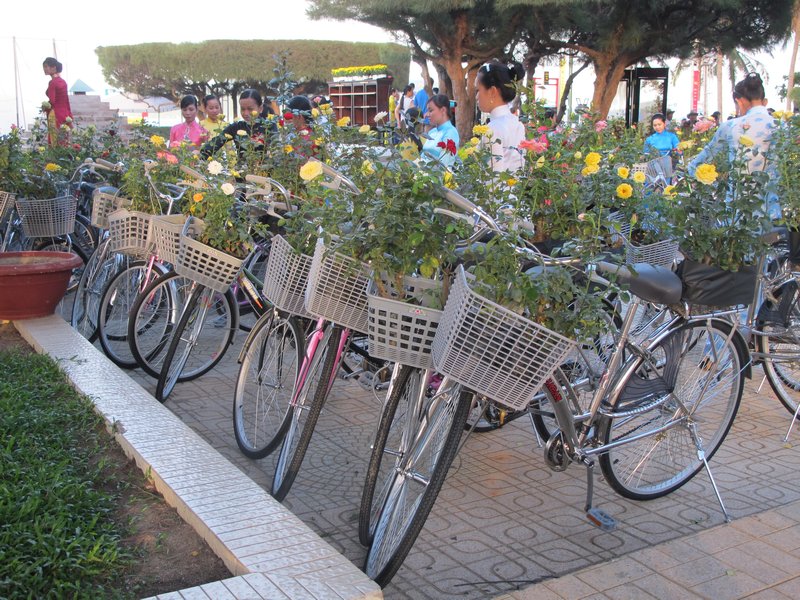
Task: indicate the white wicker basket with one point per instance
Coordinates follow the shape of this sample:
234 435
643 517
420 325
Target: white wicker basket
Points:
48 218
337 289
659 254
205 265
166 235
286 277
104 204
403 331
129 232
6 202
492 349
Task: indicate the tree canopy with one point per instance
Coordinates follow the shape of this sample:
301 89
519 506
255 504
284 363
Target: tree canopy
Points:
229 66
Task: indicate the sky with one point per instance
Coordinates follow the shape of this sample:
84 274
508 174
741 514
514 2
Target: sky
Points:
86 24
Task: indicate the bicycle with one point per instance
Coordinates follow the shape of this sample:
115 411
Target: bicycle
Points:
652 396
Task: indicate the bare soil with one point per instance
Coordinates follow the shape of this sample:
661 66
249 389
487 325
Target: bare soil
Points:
169 554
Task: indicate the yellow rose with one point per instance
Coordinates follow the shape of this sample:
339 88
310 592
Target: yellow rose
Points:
311 170
474 141
448 180
326 109
624 190
579 155
409 151
288 149
623 172
254 113
540 162
589 170
669 191
319 141
746 140
511 182
197 197
228 136
639 177
157 140
593 158
52 167
241 132
367 168
482 130
364 129
343 122
315 112
706 174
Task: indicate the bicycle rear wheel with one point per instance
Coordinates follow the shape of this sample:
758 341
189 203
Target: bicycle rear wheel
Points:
304 413
416 479
779 343
115 309
270 360
154 317
692 383
208 322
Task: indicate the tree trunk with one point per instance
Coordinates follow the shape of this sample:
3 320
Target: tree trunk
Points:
608 73
445 83
562 107
427 80
796 32
463 82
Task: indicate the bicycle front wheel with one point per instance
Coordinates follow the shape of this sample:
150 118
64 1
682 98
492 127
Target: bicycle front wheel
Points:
415 481
270 359
684 393
779 343
99 270
304 412
115 309
207 325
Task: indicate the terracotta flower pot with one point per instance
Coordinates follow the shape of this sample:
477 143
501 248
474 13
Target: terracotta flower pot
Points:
33 283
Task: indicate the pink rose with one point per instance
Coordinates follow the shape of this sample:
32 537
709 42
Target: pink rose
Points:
536 146
600 126
702 126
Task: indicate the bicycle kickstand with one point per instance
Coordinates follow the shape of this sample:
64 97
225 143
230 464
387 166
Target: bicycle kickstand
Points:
701 454
794 418
596 516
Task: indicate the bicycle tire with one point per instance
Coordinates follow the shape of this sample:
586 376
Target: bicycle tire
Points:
779 345
398 527
304 414
154 316
402 388
269 363
115 308
84 234
99 270
699 364
65 244
187 336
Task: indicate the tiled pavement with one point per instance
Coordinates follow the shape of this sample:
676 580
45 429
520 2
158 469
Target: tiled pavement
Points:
504 521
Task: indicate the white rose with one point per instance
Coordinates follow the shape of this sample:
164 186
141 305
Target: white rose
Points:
381 116
227 188
214 167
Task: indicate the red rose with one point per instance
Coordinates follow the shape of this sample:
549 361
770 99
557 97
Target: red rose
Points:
450 146
104 154
288 116
76 146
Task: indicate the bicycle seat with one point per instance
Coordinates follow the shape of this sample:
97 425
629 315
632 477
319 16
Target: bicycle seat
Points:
652 284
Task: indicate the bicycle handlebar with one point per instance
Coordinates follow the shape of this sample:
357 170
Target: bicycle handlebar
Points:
192 173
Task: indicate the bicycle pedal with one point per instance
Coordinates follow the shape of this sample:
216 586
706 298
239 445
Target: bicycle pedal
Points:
601 519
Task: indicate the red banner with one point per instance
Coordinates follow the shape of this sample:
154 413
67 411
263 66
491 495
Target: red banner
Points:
695 90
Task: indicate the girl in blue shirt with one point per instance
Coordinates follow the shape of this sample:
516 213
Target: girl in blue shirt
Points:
661 140
443 140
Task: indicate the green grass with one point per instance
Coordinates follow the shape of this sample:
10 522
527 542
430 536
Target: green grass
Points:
58 537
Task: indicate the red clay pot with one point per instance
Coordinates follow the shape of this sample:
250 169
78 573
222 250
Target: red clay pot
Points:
33 283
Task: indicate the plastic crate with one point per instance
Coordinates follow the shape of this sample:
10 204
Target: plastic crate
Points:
286 277
206 265
53 217
104 204
493 350
129 232
166 235
337 289
402 330
659 254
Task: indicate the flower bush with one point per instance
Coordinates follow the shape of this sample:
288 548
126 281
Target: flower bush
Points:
357 71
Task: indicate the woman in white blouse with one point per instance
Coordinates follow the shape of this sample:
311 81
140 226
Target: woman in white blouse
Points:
495 85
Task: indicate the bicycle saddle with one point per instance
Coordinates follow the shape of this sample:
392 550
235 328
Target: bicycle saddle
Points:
652 284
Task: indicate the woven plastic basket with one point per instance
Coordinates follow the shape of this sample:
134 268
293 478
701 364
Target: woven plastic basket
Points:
286 277
104 204
400 330
129 232
48 218
659 254
337 289
6 202
493 350
166 235
206 265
